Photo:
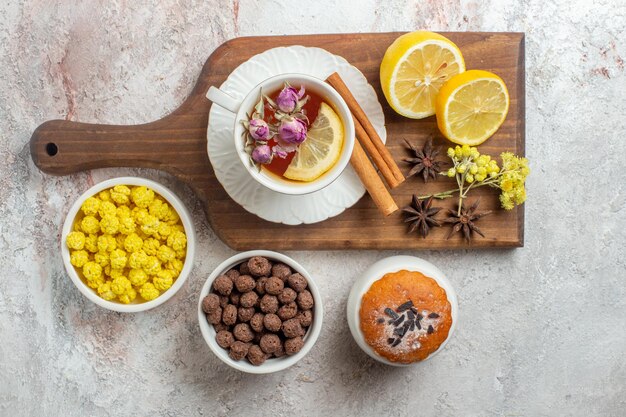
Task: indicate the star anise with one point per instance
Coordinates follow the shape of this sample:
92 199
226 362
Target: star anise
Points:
423 160
421 216
463 221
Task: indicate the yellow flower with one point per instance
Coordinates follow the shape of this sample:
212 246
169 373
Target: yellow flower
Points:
90 206
120 194
465 150
137 277
118 259
451 172
177 240
90 224
128 296
104 291
163 280
473 169
120 285
148 292
137 259
142 196
107 209
75 240
133 243
451 153
166 254
79 258
469 178
152 266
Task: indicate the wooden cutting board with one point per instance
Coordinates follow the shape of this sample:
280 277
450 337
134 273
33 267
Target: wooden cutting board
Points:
177 144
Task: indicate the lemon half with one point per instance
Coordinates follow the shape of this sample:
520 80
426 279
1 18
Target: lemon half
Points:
321 149
413 70
471 107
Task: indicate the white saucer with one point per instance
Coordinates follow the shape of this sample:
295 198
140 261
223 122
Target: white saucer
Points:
240 186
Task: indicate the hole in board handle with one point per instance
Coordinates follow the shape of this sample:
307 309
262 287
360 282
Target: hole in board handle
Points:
52 149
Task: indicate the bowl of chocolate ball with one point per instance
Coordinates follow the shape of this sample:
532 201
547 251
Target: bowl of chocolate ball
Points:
260 312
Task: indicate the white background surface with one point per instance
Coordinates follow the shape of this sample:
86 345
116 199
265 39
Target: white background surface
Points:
541 329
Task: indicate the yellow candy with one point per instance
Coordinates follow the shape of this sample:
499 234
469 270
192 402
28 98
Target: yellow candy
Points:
109 224
104 291
75 240
164 230
133 243
91 243
123 211
90 206
150 225
159 209
172 217
180 254
128 296
163 280
175 265
107 209
104 195
142 196
116 273
148 292
79 258
152 266
118 259
106 243
137 259
101 258
177 240
120 194
151 246
139 215
137 277
127 225
166 254
90 225
120 285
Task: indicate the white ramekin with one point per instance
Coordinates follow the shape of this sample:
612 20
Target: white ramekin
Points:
274 364
174 201
376 272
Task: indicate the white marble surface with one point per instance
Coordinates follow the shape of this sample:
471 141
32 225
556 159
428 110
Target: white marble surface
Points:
542 328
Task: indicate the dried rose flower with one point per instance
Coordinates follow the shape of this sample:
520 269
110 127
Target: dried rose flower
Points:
288 98
259 129
292 130
262 154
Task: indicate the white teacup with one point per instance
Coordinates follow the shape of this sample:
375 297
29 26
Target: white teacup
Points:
245 106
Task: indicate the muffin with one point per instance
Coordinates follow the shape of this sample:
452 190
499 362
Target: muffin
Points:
405 316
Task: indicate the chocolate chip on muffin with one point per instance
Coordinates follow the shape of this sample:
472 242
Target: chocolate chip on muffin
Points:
224 339
272 322
297 282
210 303
223 285
259 266
274 286
270 343
294 345
245 283
305 300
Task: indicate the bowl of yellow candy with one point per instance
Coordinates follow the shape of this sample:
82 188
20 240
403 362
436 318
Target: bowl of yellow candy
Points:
128 244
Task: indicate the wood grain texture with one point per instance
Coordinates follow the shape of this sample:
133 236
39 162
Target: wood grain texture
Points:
177 144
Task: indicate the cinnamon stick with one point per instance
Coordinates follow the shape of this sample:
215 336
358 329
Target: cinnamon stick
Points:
367 135
372 182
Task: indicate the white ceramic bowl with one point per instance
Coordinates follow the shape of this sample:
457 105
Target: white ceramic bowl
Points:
374 273
243 108
274 364
137 305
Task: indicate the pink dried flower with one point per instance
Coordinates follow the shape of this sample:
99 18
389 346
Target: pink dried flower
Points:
292 130
262 154
288 98
259 130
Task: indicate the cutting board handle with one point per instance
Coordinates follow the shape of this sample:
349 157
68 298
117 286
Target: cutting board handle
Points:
61 147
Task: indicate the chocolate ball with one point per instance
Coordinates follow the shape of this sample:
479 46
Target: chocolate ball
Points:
248 299
232 274
244 314
287 295
305 300
281 271
245 283
220 326
238 350
260 285
243 268
256 322
305 317
229 315
297 282
269 304
243 332
259 266
256 356
223 285
224 339
272 322
215 316
234 297
291 328
269 343
258 336
274 286
294 345
224 301
210 303
288 311
280 352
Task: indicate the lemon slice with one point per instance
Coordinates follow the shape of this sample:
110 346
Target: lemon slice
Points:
413 70
321 149
471 107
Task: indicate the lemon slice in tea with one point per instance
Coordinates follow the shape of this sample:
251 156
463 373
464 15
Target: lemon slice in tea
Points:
321 149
